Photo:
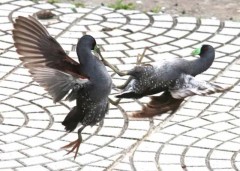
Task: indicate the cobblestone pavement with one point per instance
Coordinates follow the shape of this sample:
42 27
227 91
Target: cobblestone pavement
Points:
203 135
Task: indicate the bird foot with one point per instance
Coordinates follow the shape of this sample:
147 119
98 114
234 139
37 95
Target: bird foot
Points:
115 103
75 145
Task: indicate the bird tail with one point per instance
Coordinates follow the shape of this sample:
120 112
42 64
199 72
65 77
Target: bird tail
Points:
71 120
159 105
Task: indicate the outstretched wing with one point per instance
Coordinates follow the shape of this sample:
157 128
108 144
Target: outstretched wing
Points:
46 60
57 83
38 48
189 86
159 105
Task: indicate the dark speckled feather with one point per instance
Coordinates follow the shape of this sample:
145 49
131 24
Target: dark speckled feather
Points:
159 76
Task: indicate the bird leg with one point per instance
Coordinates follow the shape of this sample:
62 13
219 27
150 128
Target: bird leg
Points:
75 144
116 70
115 103
139 60
106 63
120 73
140 57
121 87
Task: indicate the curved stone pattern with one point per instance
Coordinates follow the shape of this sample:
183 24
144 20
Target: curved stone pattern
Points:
203 135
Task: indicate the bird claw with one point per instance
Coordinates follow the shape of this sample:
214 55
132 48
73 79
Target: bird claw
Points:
75 145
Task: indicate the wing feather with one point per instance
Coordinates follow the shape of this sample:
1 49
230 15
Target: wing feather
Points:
159 105
190 86
57 83
46 60
32 40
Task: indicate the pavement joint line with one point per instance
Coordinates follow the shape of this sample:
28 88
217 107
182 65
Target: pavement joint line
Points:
180 141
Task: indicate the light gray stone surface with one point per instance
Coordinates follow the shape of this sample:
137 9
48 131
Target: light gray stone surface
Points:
204 134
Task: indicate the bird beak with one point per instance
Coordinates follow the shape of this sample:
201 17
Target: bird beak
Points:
96 48
96 51
197 51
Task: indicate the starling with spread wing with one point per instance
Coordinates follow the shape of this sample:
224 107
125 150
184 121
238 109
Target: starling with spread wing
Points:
87 82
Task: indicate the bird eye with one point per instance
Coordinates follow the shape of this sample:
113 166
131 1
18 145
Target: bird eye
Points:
204 48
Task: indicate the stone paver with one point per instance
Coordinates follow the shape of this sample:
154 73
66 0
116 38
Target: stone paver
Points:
203 135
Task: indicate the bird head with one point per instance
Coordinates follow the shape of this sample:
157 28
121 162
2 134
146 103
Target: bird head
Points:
204 50
87 41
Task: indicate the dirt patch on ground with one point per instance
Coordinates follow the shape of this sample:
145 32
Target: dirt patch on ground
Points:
220 9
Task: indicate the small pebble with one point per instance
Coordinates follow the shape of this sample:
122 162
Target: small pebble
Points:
44 14
107 29
128 30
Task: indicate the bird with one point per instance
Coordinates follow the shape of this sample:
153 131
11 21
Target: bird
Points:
174 78
87 82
